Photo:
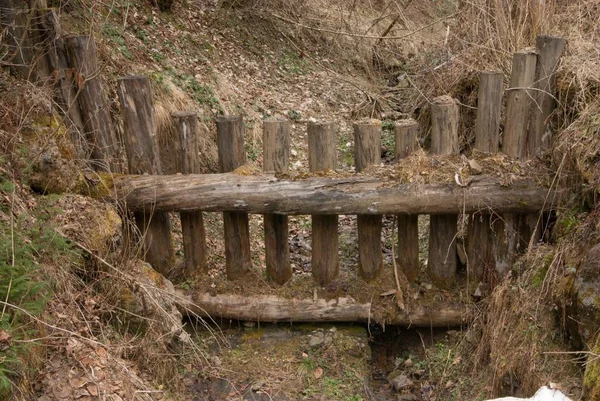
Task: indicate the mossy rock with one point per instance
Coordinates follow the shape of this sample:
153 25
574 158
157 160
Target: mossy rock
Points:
48 157
592 373
587 286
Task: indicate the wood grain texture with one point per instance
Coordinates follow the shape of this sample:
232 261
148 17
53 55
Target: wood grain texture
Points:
270 308
322 156
444 126
276 150
142 156
97 122
407 255
367 152
549 50
406 136
441 263
232 154
354 195
192 223
489 106
518 105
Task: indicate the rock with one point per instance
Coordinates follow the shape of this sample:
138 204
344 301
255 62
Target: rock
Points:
401 382
474 167
152 297
587 288
316 340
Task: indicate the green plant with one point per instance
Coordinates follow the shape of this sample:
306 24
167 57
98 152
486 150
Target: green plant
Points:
293 64
294 115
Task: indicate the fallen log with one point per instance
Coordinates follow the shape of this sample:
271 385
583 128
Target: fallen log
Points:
355 195
271 308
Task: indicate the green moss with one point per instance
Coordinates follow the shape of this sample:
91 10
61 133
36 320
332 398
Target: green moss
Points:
592 373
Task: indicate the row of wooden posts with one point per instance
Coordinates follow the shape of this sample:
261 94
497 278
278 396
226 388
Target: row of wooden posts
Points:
491 239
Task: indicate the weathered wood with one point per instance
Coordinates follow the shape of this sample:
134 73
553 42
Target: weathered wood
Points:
441 264
406 132
322 156
276 145
137 107
444 126
192 223
17 46
489 105
232 154
407 256
98 125
367 152
480 252
479 246
549 50
270 308
518 104
354 195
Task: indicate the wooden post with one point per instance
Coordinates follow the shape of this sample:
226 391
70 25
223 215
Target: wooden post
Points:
97 122
407 256
518 105
549 50
232 154
16 21
489 105
367 152
322 156
192 223
489 102
141 145
276 145
441 263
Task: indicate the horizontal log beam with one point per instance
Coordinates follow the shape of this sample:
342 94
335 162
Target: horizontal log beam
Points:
270 308
355 195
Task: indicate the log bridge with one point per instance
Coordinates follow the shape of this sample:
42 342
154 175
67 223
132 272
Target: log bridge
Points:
502 218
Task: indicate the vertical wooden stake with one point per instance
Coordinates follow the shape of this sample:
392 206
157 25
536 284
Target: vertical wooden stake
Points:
232 154
408 225
549 50
518 105
441 263
97 122
367 152
135 95
480 253
322 156
192 223
276 144
489 105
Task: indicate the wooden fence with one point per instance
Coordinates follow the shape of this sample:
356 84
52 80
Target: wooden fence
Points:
501 218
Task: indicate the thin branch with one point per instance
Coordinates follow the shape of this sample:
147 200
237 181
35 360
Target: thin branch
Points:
358 35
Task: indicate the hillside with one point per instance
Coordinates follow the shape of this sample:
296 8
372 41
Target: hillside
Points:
84 318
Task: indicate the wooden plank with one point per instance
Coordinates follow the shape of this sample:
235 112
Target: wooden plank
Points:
441 263
489 105
549 50
232 154
276 145
141 145
270 308
321 157
192 223
354 195
367 152
518 104
407 256
98 125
